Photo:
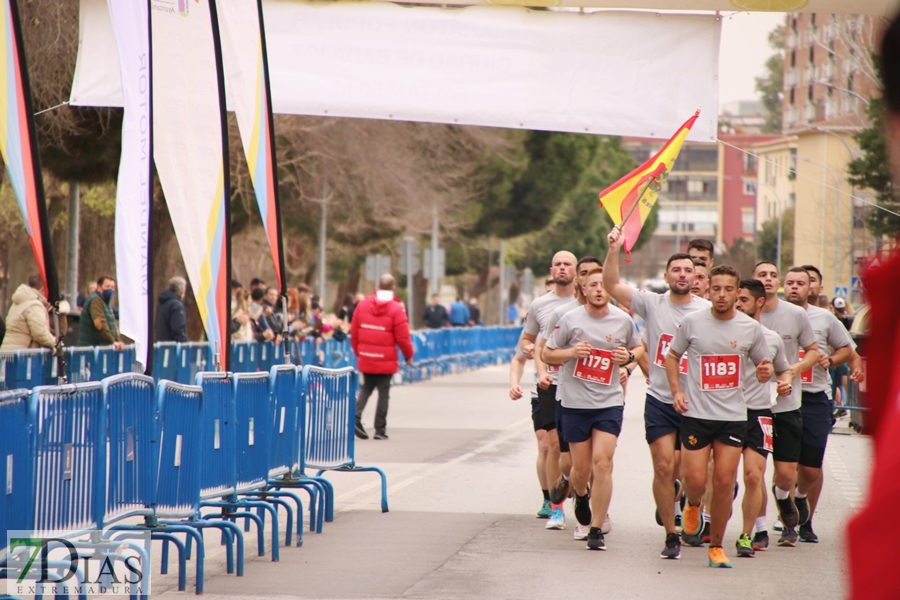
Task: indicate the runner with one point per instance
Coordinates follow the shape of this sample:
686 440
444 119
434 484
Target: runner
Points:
562 272
759 400
703 250
663 314
719 343
516 368
588 343
792 324
700 286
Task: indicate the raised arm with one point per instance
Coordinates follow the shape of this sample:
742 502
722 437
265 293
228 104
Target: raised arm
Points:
620 291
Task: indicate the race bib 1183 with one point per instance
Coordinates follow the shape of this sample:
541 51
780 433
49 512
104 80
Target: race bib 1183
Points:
720 372
662 348
598 367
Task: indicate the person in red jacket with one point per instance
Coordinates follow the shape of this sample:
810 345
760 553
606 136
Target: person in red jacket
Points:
379 326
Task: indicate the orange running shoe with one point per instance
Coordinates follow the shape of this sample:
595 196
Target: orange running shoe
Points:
691 521
717 558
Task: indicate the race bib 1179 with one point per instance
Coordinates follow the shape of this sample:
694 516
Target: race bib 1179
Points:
598 367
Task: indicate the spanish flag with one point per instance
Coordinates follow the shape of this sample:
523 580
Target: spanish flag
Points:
642 185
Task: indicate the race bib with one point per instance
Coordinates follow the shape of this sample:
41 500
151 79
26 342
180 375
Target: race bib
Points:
553 368
805 376
598 367
765 424
720 372
662 348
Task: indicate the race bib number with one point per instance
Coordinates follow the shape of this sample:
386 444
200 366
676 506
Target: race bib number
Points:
662 348
805 376
765 424
598 367
553 368
720 372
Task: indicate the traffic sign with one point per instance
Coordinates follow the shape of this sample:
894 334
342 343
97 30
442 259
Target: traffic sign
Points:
856 285
401 264
377 265
841 292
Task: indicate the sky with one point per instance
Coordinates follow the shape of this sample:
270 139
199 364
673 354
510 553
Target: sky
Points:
743 53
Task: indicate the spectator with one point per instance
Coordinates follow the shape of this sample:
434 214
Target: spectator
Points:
97 325
378 327
347 309
272 308
435 315
241 330
459 314
512 314
262 332
171 321
840 311
28 320
474 312
256 282
91 288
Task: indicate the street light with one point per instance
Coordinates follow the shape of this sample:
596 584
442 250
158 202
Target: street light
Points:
840 89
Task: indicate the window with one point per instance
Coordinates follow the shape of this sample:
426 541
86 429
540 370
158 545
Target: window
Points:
749 188
793 58
791 198
792 166
749 163
792 96
695 186
748 221
812 55
809 92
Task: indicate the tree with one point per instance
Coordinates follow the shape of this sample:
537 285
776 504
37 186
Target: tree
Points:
767 240
741 255
770 86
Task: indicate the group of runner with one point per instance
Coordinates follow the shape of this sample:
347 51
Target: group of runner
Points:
733 372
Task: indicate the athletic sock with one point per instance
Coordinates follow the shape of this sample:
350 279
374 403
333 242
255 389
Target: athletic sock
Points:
761 524
781 494
546 494
705 516
563 475
555 506
797 494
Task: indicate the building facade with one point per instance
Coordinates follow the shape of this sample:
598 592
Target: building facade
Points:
738 188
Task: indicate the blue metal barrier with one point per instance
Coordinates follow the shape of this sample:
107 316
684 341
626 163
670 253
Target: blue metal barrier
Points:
16 466
27 369
108 361
80 363
165 361
193 358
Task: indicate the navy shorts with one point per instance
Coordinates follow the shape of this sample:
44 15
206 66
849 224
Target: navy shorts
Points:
816 410
660 419
563 444
577 423
536 413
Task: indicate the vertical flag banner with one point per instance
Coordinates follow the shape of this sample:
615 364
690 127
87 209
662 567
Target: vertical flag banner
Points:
190 148
18 144
643 185
247 72
134 191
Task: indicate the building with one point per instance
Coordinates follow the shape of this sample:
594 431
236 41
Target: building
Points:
737 188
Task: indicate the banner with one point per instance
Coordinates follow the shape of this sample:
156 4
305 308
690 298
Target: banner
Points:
247 76
611 72
18 144
191 151
134 190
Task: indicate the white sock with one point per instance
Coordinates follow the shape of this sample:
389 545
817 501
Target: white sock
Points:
677 508
797 494
564 477
705 517
761 524
781 494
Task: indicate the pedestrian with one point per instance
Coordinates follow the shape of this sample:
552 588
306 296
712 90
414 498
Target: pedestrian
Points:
91 288
171 321
28 323
262 331
512 314
347 308
459 313
256 282
840 311
702 250
379 327
435 315
97 325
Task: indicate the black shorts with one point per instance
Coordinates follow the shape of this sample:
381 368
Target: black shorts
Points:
547 409
563 444
660 419
788 430
578 423
700 433
536 413
759 431
816 410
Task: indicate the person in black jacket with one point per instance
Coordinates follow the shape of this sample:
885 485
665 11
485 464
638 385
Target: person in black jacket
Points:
171 321
435 315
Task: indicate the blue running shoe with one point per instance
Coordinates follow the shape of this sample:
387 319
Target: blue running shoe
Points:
557 519
546 510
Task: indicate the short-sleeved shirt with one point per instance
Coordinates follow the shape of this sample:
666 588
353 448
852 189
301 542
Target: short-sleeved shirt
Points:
758 396
552 320
830 333
792 324
718 352
536 323
662 318
593 381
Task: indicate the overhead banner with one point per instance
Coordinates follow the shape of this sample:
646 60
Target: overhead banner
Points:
190 150
614 73
247 77
134 191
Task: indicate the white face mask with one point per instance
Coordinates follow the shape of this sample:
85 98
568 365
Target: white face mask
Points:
384 295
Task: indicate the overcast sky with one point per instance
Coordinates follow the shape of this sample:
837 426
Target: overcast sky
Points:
743 53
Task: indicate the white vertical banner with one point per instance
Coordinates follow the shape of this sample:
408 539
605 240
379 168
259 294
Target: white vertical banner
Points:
131 27
189 149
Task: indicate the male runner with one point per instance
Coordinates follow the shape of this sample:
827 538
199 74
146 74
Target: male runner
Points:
589 342
792 324
516 368
759 400
703 250
816 405
562 271
718 343
700 287
663 314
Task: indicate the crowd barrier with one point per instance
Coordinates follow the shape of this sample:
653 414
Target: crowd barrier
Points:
854 397
130 453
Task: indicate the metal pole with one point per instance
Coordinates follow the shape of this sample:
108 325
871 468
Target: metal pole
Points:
433 283
410 292
503 283
778 246
71 291
322 232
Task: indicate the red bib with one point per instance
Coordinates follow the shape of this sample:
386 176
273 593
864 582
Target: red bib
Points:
597 367
765 423
662 348
805 376
720 372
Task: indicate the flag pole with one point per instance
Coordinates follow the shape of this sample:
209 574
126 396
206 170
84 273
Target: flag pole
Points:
636 202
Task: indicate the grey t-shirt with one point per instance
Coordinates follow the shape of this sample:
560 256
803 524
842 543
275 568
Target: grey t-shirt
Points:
792 324
830 333
538 318
663 319
758 396
593 382
717 353
547 333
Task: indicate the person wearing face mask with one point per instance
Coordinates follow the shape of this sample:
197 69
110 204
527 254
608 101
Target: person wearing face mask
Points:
97 325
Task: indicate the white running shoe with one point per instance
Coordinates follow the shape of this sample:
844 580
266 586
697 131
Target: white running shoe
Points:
581 532
607 525
557 519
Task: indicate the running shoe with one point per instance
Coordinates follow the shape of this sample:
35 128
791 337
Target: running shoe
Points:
546 510
787 511
559 491
802 505
744 546
807 534
777 525
607 525
705 535
673 547
839 413
583 508
595 539
380 436
717 558
677 494
581 532
761 541
678 528
692 521
695 541
788 538
361 431
557 519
